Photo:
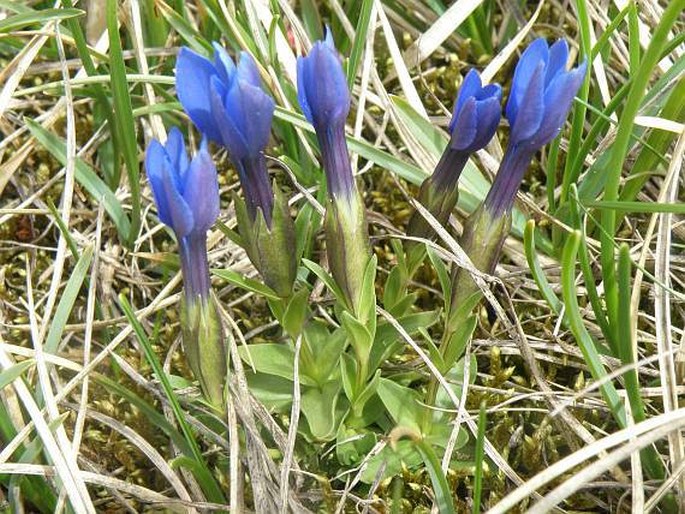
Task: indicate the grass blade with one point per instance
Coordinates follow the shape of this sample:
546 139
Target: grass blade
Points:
123 116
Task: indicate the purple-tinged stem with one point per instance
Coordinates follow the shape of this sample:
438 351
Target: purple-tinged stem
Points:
336 161
195 266
254 179
501 197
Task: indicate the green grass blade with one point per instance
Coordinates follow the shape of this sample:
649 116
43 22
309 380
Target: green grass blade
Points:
359 41
210 487
626 341
441 489
123 116
583 338
480 460
579 109
638 207
67 300
536 270
86 176
619 149
22 20
13 372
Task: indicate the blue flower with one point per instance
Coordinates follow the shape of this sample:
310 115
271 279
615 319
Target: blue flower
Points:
321 85
187 197
325 101
225 101
477 112
541 96
476 115
228 105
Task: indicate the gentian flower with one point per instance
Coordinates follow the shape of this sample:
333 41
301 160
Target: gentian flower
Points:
540 99
187 196
325 101
475 119
227 103
541 96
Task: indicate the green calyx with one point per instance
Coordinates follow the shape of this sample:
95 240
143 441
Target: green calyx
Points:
482 241
204 347
347 246
270 249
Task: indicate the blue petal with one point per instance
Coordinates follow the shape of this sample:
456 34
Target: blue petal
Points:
247 70
231 137
470 87
465 126
180 217
558 101
558 56
255 111
301 90
328 38
490 91
172 209
224 65
488 114
532 107
176 151
154 162
193 75
325 86
202 190
536 52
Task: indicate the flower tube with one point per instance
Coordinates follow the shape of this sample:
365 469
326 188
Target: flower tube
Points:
541 96
187 197
475 119
228 105
325 101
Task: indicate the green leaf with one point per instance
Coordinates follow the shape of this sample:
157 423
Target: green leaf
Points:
536 270
402 403
274 392
246 283
367 301
85 176
66 302
319 408
321 350
360 338
273 359
359 41
326 278
13 372
22 20
296 312
403 452
441 489
123 115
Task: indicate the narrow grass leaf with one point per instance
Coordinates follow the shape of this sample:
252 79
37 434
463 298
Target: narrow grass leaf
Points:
209 486
123 115
359 41
536 270
441 488
67 300
13 372
86 176
583 338
480 460
22 20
